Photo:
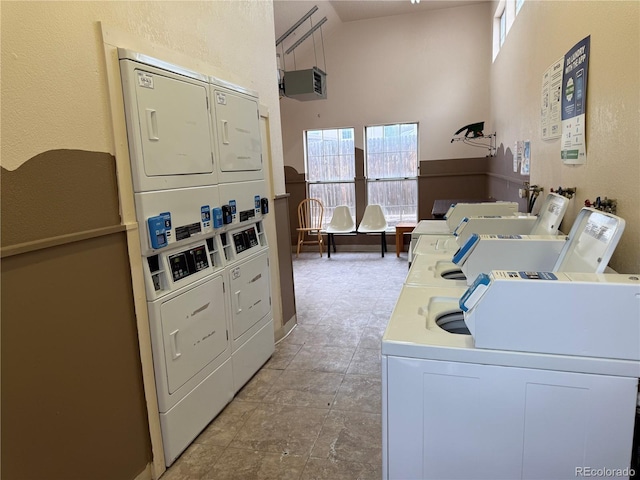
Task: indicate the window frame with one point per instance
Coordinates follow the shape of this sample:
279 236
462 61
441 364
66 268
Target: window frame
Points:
311 182
505 11
371 179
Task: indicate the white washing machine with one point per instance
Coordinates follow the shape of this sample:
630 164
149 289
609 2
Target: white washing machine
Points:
458 211
482 253
547 222
535 344
520 398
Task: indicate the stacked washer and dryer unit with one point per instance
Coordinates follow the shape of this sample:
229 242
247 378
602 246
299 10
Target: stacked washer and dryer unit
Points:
200 199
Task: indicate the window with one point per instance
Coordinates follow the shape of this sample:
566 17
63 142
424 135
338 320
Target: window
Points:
391 167
330 169
519 6
503 26
502 21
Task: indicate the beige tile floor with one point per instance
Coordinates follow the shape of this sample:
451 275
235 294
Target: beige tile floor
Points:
313 411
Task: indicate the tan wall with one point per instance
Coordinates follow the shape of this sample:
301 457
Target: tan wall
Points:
55 92
541 34
73 403
430 67
58 87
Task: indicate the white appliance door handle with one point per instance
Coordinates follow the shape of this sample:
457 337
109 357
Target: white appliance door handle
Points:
175 354
238 307
225 131
152 124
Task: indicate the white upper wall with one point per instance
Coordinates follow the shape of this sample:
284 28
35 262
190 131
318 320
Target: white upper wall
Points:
542 33
430 67
54 81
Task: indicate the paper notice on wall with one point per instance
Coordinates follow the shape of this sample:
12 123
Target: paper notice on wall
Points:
574 103
550 113
517 155
526 158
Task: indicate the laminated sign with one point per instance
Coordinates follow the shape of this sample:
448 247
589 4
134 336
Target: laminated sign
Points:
574 104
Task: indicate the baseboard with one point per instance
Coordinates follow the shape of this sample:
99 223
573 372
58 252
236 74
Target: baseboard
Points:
347 248
146 473
286 328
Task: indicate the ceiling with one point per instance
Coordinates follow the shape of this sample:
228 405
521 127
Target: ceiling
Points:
287 12
350 10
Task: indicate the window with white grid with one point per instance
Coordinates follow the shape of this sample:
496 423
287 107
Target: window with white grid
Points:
330 168
391 168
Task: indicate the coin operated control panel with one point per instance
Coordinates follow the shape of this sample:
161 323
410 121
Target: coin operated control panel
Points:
188 262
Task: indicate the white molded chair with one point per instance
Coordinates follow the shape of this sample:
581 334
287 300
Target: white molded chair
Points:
341 224
373 221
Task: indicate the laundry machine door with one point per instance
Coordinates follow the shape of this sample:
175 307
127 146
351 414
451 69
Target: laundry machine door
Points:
238 131
173 125
194 331
250 292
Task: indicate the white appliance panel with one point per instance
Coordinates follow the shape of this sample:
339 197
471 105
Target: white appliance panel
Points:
250 293
253 353
194 331
244 195
185 207
182 423
168 126
174 126
237 131
491 422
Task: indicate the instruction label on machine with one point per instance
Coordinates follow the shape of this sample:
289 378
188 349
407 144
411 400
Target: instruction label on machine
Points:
501 274
537 275
145 80
205 215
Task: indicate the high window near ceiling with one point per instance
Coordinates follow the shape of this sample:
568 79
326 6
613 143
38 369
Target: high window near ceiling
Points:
330 168
391 168
503 19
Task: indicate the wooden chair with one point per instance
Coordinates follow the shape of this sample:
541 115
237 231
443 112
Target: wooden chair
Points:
310 213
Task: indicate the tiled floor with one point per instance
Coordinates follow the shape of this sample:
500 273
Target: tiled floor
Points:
314 409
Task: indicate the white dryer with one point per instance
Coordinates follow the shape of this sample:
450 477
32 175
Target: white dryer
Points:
168 124
236 132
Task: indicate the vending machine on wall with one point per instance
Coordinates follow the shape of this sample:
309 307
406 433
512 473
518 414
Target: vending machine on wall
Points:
200 199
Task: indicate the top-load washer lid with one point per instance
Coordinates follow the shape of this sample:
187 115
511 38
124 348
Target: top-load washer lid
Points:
431 227
460 210
431 244
550 215
592 241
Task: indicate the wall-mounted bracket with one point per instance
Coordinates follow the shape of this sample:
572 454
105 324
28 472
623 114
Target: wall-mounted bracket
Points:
478 139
